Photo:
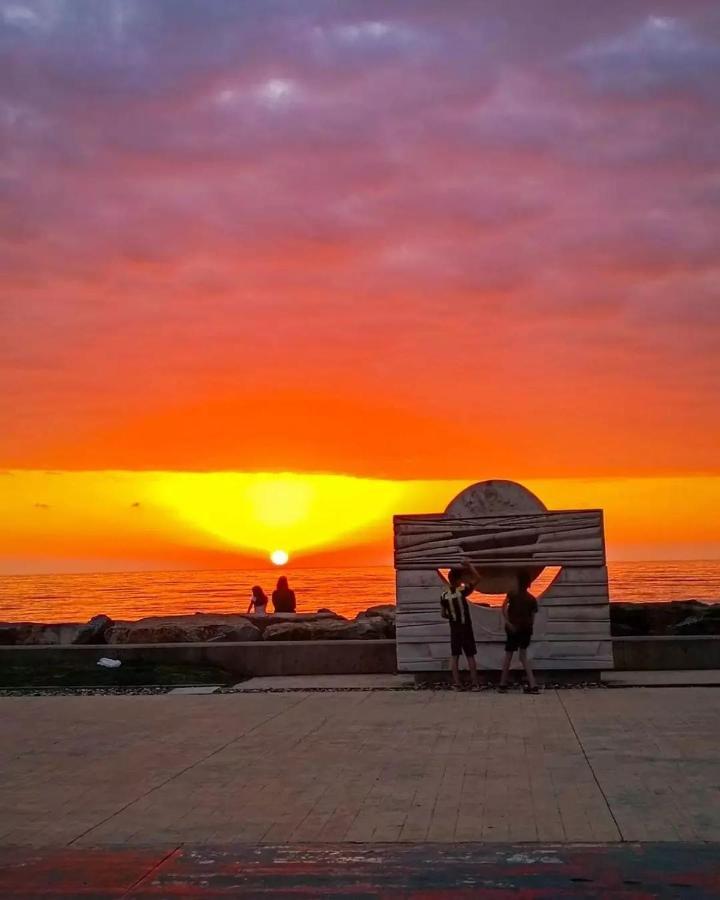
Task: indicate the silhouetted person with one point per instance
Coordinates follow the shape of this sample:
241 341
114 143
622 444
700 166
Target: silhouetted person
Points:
258 601
519 609
283 598
454 607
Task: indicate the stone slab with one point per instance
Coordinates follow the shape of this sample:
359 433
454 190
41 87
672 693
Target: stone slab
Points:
242 659
199 689
360 766
271 658
326 682
662 652
681 678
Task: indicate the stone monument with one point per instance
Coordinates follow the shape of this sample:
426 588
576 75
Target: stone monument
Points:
503 528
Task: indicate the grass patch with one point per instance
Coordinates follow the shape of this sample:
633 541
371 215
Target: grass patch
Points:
88 674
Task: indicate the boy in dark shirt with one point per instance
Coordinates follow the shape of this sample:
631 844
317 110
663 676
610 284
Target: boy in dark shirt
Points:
519 609
454 607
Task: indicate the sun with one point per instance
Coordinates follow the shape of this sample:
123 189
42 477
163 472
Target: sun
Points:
279 557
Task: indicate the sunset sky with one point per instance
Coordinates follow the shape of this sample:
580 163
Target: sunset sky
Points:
272 271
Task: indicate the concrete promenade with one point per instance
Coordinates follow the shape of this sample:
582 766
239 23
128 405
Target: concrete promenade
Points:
601 766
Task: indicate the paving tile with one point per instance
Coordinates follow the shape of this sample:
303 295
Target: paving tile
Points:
385 766
325 682
199 689
666 678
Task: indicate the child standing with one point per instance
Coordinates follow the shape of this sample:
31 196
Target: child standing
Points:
519 609
454 607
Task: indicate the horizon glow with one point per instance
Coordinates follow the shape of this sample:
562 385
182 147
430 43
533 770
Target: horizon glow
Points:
50 520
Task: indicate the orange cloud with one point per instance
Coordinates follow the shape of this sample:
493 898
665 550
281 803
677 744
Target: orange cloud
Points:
419 247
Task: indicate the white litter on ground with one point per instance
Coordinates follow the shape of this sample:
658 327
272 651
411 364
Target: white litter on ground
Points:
108 663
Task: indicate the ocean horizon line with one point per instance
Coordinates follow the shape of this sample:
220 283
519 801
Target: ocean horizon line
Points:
269 566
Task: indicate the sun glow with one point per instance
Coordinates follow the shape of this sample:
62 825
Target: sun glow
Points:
263 512
65 521
279 557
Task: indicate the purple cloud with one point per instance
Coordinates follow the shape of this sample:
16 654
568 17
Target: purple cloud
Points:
222 196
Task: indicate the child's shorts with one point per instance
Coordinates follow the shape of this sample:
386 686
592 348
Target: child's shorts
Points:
518 639
462 639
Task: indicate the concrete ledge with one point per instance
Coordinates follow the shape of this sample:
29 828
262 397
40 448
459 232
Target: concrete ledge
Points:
663 678
262 658
254 658
659 652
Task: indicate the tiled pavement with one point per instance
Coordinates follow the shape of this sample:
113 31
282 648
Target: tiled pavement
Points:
368 766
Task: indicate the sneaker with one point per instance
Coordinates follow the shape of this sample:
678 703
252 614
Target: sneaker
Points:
456 687
531 690
502 689
476 688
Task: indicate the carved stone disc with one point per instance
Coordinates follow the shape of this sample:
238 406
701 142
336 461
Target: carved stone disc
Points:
493 498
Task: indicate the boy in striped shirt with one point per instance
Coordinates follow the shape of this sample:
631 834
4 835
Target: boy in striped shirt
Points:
454 607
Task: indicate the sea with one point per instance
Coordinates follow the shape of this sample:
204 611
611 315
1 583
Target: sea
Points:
132 595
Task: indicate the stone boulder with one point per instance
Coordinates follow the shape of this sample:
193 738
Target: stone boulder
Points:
13 633
94 632
374 615
656 618
288 631
52 633
373 627
263 622
706 621
384 610
183 629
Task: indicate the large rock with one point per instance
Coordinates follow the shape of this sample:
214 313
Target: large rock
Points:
288 631
706 621
370 628
384 613
94 632
183 629
34 633
13 633
263 622
373 627
385 610
52 633
657 618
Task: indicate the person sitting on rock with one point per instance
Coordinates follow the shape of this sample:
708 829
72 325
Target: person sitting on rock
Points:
283 598
258 601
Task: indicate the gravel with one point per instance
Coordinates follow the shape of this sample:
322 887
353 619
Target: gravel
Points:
160 689
81 692
550 686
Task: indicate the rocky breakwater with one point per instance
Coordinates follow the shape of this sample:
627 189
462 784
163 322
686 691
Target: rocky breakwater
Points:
377 622
674 618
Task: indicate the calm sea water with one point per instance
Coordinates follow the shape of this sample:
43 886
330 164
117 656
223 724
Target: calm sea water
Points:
131 595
